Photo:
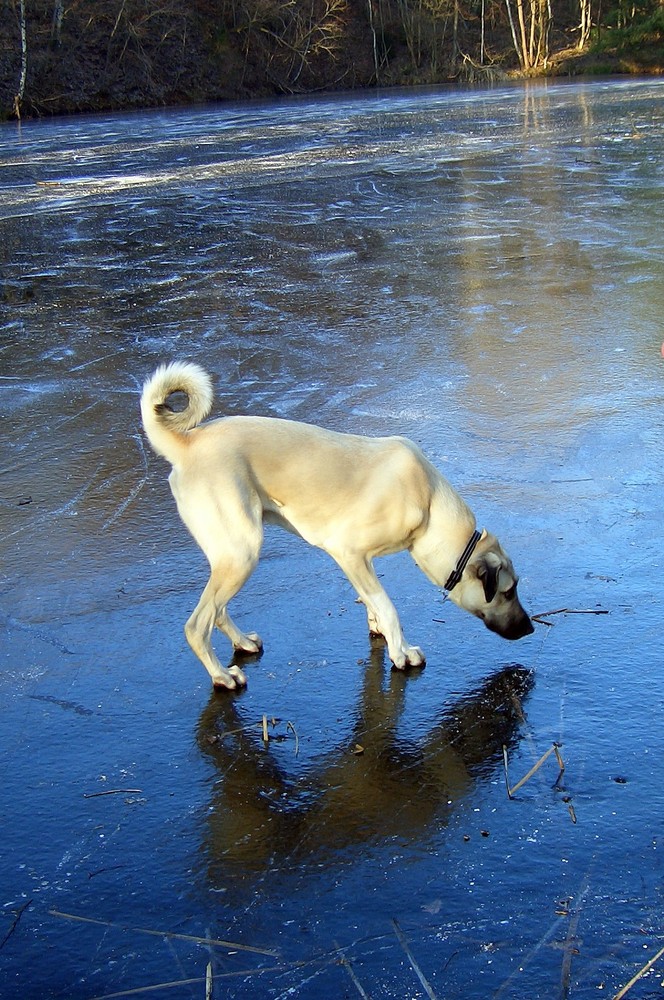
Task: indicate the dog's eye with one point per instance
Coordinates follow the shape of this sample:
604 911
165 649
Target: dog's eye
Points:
511 593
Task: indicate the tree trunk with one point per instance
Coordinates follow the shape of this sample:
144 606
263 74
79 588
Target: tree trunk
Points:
455 36
373 37
586 23
56 27
482 47
525 61
513 30
20 93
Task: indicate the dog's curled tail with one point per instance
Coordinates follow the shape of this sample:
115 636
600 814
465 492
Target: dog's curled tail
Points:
167 428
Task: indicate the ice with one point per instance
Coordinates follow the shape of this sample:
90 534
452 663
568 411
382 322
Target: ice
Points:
479 270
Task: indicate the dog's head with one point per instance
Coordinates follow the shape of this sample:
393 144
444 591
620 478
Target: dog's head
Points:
488 589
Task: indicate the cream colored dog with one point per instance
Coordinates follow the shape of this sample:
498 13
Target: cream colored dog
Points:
355 497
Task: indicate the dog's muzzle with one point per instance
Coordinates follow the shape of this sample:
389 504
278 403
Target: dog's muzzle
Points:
514 629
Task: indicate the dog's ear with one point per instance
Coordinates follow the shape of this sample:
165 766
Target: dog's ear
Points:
488 573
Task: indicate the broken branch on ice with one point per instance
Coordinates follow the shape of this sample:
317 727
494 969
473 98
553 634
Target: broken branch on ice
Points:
567 611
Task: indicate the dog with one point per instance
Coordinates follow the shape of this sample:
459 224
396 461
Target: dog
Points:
353 496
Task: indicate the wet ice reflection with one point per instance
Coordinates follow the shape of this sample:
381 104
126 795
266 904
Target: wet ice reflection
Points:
373 787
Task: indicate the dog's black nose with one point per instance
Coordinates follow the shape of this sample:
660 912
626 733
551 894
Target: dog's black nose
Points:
528 628
514 630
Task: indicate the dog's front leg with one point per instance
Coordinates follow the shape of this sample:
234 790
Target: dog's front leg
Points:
372 622
381 614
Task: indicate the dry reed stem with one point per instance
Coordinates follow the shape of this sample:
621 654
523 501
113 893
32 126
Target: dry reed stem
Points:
149 989
237 974
411 958
112 791
351 972
646 968
289 725
533 770
273 722
19 913
508 986
569 950
171 935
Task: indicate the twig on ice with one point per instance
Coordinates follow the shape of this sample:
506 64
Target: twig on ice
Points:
567 611
112 791
170 935
19 914
533 770
411 958
351 972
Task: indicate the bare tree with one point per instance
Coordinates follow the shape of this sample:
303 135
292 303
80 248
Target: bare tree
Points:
585 23
530 34
56 26
20 93
374 38
290 36
439 13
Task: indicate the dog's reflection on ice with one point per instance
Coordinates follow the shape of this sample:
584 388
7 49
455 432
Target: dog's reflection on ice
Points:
262 816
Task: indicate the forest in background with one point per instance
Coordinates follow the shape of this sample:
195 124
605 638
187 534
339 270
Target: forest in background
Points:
59 56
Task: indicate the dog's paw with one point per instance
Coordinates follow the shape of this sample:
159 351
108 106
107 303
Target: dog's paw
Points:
238 676
225 681
411 656
230 679
415 657
251 645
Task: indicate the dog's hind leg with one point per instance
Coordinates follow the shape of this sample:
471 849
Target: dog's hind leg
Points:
249 642
381 613
225 581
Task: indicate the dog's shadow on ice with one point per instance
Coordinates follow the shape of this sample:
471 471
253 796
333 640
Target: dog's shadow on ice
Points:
375 785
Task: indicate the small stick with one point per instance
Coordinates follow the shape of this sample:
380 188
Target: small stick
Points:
289 725
148 989
411 958
171 935
531 772
19 914
113 791
351 972
570 949
208 982
567 611
646 968
507 779
266 736
534 768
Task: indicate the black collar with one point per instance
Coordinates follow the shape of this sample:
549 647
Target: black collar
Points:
464 558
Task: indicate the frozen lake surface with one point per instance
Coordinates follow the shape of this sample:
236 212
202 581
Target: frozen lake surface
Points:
482 271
